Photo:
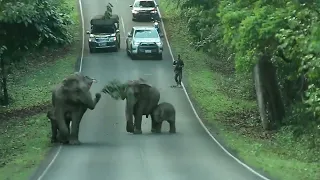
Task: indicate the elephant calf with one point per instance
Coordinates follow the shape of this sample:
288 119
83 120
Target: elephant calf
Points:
163 112
54 125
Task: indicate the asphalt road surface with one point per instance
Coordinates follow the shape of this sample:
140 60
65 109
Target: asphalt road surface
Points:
108 152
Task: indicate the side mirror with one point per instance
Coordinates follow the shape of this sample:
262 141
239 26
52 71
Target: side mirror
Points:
117 30
88 32
130 6
129 34
161 35
157 5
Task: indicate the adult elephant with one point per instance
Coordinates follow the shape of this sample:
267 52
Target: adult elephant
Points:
72 96
141 99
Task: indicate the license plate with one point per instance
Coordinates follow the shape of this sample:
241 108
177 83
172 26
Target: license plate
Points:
147 51
102 44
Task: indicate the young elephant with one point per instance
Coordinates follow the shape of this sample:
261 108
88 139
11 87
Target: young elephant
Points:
164 112
141 98
72 96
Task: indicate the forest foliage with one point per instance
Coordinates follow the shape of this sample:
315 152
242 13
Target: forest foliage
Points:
237 32
27 25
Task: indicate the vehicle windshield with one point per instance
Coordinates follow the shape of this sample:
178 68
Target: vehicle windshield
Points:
146 34
102 29
144 4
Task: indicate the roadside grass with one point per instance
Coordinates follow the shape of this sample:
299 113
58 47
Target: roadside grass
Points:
23 144
235 118
24 129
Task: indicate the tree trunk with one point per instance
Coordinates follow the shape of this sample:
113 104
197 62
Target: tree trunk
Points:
4 84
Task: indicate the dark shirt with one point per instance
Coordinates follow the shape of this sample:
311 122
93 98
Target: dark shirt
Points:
178 65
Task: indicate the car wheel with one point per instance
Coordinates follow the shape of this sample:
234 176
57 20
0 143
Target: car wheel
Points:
92 50
116 49
159 56
133 57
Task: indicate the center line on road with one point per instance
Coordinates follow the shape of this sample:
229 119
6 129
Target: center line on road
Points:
124 29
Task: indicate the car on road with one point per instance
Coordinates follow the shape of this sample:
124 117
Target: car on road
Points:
144 9
104 34
144 40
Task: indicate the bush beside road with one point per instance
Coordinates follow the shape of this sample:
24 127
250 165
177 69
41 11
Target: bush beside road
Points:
224 104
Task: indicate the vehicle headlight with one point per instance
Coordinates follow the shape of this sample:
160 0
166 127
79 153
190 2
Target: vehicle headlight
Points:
134 11
154 12
136 43
92 39
113 39
91 35
159 43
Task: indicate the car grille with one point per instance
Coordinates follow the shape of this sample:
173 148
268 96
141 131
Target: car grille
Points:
102 39
145 12
148 46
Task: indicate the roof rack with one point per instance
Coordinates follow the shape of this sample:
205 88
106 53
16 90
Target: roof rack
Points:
100 20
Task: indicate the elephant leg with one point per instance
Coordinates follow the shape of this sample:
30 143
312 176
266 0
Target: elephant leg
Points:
158 126
59 114
172 126
68 121
76 119
54 131
130 127
153 123
138 120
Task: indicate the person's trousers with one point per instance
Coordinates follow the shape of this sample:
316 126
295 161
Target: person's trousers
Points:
178 77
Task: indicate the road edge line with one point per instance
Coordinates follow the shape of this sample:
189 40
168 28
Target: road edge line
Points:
200 120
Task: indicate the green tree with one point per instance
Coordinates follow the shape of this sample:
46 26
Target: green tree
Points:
43 23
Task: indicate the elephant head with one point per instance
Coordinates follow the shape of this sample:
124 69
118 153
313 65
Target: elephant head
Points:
76 88
118 90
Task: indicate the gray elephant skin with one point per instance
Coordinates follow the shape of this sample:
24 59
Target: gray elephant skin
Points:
141 98
164 112
71 96
54 125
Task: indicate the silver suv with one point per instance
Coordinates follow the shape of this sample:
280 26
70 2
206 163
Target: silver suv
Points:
144 9
144 40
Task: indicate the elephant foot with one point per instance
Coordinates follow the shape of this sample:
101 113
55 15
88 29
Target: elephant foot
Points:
130 127
172 131
64 141
54 140
74 142
155 130
137 131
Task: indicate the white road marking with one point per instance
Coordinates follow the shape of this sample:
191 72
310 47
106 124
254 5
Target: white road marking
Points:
123 27
199 119
184 89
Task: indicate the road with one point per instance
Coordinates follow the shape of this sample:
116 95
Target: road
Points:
109 152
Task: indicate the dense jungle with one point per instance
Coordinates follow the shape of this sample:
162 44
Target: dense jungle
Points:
252 67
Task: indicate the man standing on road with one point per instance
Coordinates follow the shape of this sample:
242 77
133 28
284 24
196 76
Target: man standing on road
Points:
178 65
